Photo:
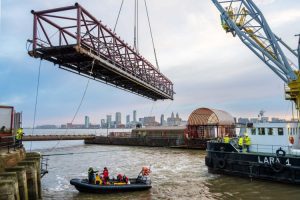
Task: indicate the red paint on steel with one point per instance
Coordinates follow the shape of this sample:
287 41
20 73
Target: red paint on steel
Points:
137 73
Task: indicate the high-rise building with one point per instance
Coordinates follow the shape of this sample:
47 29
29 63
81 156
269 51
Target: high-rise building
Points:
172 121
162 120
118 118
150 121
86 122
103 124
108 121
134 116
127 119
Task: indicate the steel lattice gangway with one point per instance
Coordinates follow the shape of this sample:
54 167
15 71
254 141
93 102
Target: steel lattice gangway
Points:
76 41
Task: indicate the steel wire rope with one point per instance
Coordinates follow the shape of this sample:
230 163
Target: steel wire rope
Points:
78 107
167 108
153 104
114 30
36 101
117 20
149 24
37 89
136 26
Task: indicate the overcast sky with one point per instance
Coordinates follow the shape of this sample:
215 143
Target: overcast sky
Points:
208 67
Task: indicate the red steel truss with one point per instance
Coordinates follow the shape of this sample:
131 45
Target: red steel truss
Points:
75 40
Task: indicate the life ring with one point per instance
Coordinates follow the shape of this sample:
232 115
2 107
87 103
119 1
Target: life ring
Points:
277 167
280 152
291 139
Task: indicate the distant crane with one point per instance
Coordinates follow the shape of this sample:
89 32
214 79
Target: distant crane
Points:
244 19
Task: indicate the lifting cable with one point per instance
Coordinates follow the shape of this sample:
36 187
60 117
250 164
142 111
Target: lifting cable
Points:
79 106
151 35
88 82
136 26
36 100
153 104
117 20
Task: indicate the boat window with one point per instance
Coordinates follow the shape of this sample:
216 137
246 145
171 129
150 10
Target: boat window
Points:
253 131
261 131
293 131
270 131
288 131
280 131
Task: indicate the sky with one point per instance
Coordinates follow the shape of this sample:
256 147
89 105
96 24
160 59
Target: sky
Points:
208 67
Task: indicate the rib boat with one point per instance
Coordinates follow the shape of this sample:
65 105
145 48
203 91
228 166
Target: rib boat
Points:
142 182
82 185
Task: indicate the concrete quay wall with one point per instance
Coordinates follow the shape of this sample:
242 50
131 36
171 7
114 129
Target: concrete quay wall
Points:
136 141
150 142
20 175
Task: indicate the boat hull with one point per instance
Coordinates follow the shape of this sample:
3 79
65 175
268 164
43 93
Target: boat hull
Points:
223 158
83 186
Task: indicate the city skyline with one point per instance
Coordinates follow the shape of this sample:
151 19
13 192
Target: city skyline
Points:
86 122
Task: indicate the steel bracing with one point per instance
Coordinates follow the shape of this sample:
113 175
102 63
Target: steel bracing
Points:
75 40
244 19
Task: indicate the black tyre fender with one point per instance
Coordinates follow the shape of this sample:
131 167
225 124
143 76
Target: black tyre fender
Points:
280 152
221 163
277 167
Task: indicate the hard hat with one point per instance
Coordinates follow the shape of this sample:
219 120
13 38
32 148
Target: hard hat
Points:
246 134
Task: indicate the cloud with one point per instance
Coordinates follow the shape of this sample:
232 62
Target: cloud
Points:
207 66
13 100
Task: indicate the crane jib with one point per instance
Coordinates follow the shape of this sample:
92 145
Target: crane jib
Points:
243 18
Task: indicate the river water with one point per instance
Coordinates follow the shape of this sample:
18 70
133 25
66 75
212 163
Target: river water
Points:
176 173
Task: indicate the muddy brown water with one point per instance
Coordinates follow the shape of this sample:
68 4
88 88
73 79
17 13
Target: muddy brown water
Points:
176 174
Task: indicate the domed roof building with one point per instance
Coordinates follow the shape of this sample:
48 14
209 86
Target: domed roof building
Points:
206 123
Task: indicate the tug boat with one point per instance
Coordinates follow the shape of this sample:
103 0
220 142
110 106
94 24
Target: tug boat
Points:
274 153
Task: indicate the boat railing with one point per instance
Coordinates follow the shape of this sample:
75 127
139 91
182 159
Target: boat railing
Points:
264 148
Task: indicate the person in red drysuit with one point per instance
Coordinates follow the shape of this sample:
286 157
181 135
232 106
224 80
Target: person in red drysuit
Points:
105 175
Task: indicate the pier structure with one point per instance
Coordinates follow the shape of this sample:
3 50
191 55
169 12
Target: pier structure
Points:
56 137
20 172
75 40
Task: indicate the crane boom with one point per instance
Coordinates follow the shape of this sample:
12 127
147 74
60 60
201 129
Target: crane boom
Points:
243 18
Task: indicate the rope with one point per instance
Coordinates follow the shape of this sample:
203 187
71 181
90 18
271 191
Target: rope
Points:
151 35
36 101
79 106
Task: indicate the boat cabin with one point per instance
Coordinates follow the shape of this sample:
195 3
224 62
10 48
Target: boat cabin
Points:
270 136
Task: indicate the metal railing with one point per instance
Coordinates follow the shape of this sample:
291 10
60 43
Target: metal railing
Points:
263 148
9 143
44 166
